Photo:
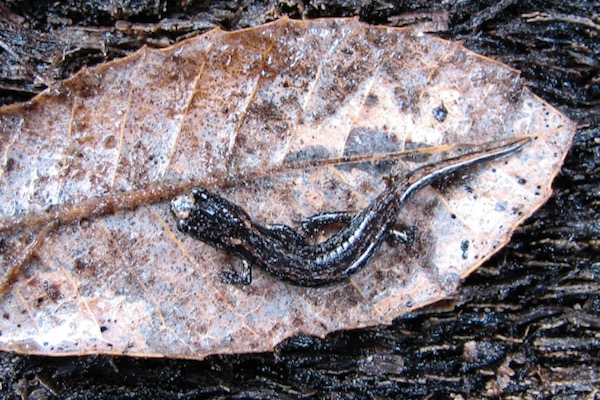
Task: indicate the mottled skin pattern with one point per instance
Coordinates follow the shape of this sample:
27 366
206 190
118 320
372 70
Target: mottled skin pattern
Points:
283 252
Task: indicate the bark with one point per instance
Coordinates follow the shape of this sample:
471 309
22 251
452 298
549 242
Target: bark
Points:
525 325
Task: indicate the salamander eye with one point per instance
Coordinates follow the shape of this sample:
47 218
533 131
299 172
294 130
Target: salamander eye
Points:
200 194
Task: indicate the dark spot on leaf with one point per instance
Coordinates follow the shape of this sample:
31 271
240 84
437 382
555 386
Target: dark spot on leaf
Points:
52 290
372 100
406 99
310 153
416 157
521 181
464 246
265 110
440 113
381 168
103 328
110 142
10 163
368 141
80 264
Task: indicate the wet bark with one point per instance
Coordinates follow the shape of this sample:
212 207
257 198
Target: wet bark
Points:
526 324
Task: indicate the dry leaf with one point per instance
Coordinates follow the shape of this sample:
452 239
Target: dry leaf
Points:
91 258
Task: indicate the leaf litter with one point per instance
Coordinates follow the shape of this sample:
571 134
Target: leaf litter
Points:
288 120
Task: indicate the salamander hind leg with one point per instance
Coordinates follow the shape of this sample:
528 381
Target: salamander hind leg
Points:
402 235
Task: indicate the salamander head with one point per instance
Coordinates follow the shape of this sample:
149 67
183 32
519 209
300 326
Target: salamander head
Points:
210 218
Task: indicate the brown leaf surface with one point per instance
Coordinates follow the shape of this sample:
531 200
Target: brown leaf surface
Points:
91 258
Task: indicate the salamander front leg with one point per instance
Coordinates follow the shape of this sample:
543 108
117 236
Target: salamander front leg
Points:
287 234
309 225
233 277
